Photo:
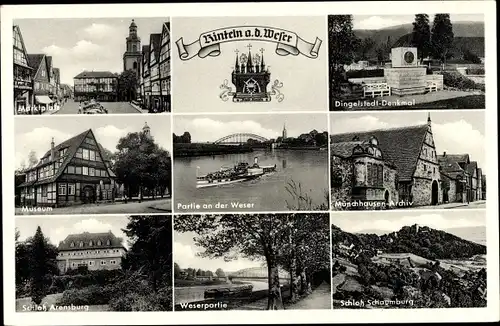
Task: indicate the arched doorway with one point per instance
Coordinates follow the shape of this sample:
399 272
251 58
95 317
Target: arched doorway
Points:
386 198
435 193
88 194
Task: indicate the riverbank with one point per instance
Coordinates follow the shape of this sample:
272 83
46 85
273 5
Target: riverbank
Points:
208 149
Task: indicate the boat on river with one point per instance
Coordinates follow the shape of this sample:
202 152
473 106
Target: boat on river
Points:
238 173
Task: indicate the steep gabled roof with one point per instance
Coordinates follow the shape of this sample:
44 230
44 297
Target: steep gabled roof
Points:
472 168
35 60
72 146
16 29
399 146
87 237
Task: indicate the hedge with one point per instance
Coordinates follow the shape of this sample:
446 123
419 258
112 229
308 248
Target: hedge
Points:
457 80
365 73
90 295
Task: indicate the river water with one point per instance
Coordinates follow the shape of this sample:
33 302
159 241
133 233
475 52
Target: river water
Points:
309 168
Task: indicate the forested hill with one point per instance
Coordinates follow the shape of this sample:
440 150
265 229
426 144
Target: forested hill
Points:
419 240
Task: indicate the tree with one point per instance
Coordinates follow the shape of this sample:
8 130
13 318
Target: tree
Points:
177 271
442 37
127 85
140 163
42 263
22 260
220 273
250 236
366 47
32 159
421 35
471 57
151 250
342 45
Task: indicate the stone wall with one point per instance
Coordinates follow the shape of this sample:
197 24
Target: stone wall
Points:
341 175
438 79
422 192
390 183
406 81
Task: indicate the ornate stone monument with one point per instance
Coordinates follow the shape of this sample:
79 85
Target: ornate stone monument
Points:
405 76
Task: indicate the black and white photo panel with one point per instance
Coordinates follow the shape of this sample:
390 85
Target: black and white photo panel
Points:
93 263
251 162
93 165
409 160
103 66
404 62
409 260
216 270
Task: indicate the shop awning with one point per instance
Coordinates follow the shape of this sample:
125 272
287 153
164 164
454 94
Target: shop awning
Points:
42 99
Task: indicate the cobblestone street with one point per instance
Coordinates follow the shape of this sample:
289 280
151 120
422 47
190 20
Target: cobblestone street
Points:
71 107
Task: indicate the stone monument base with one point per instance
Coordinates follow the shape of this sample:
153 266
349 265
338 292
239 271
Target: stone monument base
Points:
406 80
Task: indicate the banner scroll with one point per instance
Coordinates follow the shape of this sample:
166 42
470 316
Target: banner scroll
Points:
208 44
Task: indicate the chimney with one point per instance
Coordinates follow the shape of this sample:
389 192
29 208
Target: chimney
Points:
256 160
52 152
444 154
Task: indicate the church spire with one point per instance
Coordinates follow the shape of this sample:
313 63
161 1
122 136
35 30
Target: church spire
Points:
262 64
249 61
237 64
429 118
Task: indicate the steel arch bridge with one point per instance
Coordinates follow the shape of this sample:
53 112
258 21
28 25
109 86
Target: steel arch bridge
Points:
239 138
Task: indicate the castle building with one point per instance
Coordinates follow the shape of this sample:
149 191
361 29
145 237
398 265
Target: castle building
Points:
74 172
132 56
97 251
386 165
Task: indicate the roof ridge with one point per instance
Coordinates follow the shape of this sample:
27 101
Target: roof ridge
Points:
382 129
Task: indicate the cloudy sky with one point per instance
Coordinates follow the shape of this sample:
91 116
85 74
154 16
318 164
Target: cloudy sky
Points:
79 44
35 133
186 256
455 132
304 79
213 127
394 221
384 21
58 228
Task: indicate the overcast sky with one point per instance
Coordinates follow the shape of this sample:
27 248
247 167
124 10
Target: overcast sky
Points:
304 79
58 228
79 44
35 133
394 221
455 132
185 256
212 127
384 21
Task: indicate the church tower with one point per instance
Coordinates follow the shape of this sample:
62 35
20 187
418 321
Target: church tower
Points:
132 56
146 130
284 135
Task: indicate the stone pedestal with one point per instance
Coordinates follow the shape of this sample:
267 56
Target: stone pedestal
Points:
406 80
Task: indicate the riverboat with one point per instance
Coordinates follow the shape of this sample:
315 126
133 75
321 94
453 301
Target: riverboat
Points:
229 175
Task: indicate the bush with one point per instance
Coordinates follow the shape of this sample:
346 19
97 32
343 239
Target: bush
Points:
91 295
475 71
456 80
365 73
132 301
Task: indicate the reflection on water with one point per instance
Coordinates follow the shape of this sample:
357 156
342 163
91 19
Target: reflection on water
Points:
197 293
308 168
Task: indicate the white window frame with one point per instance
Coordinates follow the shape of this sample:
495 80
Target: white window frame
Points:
62 189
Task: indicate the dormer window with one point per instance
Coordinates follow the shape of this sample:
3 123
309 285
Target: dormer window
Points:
72 244
91 243
99 242
357 150
108 242
81 243
370 151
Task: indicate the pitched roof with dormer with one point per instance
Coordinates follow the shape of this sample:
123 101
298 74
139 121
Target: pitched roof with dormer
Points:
399 146
104 240
449 164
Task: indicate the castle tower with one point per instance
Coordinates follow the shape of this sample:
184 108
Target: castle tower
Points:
146 130
284 135
132 56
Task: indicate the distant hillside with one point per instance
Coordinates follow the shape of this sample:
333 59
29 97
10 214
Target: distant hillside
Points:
460 29
468 35
419 240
